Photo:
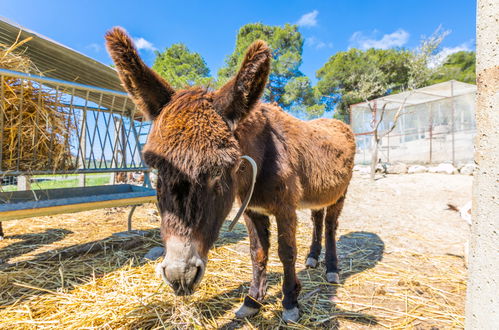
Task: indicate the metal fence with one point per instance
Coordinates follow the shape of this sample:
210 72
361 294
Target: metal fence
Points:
105 135
436 125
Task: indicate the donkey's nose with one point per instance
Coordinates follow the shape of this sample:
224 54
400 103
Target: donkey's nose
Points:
182 276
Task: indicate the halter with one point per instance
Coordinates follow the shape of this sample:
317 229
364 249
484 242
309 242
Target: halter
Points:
248 197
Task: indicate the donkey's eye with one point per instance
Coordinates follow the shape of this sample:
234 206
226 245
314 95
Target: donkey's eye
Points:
216 173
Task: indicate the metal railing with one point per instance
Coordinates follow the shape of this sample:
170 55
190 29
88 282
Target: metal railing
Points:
103 132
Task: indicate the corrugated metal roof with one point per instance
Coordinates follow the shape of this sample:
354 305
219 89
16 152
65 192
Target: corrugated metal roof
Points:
422 95
60 62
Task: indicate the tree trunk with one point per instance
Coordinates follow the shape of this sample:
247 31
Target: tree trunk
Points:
374 158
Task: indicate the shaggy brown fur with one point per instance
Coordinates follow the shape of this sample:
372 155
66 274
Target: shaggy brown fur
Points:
196 141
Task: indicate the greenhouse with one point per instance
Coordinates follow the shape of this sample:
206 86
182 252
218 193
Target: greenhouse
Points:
436 124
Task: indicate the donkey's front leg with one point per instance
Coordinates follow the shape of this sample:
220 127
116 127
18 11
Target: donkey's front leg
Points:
286 228
258 229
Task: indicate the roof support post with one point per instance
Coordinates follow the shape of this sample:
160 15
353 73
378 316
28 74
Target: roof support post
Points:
482 303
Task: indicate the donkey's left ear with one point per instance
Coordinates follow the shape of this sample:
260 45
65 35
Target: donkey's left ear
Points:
236 98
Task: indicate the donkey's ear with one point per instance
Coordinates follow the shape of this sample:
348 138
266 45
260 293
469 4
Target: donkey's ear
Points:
236 98
148 90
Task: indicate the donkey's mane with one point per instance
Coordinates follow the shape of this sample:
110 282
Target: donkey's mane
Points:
191 135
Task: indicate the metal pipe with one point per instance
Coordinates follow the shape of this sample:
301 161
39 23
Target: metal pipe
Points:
452 119
53 81
76 171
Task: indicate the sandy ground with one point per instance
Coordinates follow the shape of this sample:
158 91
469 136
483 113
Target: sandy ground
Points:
401 255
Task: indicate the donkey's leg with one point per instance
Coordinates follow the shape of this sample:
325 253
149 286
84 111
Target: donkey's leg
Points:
286 229
258 229
333 212
315 248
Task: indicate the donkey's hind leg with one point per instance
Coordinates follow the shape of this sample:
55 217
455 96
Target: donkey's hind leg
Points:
331 221
316 246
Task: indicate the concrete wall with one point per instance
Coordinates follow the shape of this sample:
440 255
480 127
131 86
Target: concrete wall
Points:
482 307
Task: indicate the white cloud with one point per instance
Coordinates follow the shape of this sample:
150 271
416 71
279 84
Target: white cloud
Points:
317 43
95 47
394 39
142 43
308 19
439 58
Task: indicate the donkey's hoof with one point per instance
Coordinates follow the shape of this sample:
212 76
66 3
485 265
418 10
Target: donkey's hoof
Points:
311 262
245 311
333 278
291 315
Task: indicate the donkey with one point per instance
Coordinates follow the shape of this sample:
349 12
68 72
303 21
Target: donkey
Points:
196 143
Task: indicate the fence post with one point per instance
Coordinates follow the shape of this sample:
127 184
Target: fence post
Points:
482 301
23 182
83 147
453 119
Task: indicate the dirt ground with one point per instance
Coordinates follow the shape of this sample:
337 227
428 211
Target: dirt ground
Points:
400 250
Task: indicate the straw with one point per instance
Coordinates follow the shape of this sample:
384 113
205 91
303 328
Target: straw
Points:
74 286
36 126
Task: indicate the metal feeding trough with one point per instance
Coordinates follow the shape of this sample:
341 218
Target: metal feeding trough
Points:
34 203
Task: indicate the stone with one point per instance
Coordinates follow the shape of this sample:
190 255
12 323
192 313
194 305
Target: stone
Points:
417 169
467 169
399 168
445 168
380 168
154 253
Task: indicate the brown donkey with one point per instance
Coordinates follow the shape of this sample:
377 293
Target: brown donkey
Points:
196 144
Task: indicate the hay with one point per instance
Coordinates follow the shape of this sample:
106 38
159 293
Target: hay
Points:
36 126
113 287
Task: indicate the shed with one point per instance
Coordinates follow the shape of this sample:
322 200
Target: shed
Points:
436 125
104 131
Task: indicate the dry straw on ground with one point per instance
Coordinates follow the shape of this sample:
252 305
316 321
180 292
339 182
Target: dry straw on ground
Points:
36 127
90 279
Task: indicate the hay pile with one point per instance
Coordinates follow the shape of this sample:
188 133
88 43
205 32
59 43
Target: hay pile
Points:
113 288
36 127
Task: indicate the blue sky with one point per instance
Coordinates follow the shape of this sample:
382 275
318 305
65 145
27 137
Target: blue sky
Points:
210 27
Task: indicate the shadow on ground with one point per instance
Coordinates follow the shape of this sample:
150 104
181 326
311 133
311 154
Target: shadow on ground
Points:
358 251
79 262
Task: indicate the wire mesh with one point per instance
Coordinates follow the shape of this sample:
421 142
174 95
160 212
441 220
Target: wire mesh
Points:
437 131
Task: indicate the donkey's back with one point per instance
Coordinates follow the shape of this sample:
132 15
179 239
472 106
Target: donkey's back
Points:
328 153
320 153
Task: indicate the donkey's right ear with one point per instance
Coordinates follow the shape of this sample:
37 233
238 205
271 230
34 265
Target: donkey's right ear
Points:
148 90
237 97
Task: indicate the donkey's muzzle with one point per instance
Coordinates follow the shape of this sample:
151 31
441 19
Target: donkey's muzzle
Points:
183 278
182 269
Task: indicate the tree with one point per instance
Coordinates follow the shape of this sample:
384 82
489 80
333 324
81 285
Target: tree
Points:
341 76
287 46
458 66
299 91
181 67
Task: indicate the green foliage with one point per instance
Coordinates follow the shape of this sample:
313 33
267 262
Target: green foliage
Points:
287 46
298 90
346 74
181 67
356 76
459 66
315 111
